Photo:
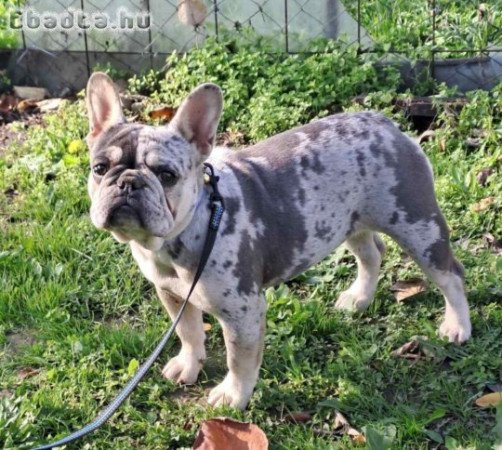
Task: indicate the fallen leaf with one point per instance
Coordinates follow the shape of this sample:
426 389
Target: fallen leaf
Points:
483 204
223 433
298 417
493 399
483 175
207 326
413 349
27 372
407 288
165 113
342 426
27 106
192 12
427 135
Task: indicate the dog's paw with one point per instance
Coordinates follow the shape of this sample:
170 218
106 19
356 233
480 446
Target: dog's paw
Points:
352 301
230 394
455 331
183 369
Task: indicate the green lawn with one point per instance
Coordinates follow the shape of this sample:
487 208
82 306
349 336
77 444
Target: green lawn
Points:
76 315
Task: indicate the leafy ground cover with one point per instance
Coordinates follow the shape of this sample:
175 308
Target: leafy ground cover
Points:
76 316
408 26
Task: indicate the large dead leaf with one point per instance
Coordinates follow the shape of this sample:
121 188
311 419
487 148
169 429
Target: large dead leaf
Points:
222 433
493 399
483 204
165 113
407 288
342 426
192 12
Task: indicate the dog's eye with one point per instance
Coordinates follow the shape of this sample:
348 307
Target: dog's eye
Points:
168 178
99 169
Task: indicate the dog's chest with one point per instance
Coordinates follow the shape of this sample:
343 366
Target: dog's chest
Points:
157 268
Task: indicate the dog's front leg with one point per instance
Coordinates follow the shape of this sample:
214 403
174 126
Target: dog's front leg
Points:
185 367
244 331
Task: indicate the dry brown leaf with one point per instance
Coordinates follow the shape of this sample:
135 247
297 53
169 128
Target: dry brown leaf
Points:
493 399
298 417
407 350
192 12
342 426
165 113
27 106
223 433
207 326
483 204
27 372
427 135
407 288
413 349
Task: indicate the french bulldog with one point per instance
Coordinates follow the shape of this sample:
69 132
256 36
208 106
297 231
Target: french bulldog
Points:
290 201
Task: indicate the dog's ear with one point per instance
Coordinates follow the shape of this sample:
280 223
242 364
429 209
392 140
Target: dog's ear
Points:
103 104
198 116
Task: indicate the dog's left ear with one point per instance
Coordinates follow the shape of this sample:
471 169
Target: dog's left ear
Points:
103 104
198 116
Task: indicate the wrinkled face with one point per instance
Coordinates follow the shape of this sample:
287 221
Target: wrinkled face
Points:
145 181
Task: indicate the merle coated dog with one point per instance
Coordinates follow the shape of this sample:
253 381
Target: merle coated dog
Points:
291 200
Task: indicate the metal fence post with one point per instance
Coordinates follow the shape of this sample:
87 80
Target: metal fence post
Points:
87 59
150 43
358 26
215 3
286 31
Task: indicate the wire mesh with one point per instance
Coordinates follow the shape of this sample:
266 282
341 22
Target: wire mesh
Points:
460 48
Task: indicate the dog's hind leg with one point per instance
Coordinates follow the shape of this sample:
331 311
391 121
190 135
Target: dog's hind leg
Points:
427 242
244 333
368 249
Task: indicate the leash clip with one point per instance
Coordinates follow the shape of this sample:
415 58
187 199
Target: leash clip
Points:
212 180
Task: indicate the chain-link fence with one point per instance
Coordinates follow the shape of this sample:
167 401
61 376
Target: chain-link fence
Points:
57 43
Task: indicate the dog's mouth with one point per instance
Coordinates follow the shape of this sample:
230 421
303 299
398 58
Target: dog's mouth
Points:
123 214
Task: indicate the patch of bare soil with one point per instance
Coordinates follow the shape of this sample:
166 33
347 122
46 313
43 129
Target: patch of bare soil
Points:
11 133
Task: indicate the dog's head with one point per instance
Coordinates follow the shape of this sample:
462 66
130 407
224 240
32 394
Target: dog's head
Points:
145 181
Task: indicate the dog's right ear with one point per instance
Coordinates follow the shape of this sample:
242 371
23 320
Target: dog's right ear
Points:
103 105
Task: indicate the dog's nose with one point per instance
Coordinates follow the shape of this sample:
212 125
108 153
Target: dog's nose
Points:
131 180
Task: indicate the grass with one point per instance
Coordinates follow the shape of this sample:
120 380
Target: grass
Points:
76 316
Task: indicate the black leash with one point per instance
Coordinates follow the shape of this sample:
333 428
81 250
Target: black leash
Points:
217 208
